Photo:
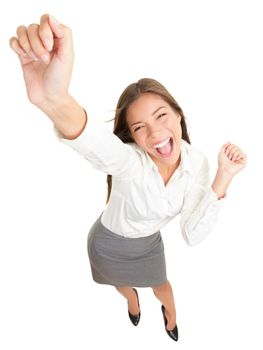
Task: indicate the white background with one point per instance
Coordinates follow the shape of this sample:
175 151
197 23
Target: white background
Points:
209 55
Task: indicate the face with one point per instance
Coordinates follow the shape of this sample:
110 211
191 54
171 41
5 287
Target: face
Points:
155 127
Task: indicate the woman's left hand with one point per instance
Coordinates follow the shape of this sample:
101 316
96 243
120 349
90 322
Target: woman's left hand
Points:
231 159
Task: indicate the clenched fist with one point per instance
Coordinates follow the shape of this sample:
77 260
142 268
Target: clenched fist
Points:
46 54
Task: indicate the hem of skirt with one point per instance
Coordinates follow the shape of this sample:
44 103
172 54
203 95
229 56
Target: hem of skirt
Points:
129 284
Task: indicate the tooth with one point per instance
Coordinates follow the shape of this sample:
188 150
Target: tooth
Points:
162 143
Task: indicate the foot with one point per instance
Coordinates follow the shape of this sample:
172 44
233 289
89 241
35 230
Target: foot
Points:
170 320
135 315
173 333
133 304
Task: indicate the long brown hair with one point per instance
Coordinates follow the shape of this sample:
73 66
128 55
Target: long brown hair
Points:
129 95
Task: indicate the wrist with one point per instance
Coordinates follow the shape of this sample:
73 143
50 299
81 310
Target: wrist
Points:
221 182
66 113
54 103
224 174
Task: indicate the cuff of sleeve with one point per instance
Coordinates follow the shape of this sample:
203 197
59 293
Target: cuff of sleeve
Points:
91 142
57 133
60 136
211 198
214 195
88 140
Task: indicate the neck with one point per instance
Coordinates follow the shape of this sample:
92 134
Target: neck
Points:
167 170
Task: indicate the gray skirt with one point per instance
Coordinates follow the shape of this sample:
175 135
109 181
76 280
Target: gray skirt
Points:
120 261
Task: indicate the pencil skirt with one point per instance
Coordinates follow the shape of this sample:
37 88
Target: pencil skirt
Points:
120 261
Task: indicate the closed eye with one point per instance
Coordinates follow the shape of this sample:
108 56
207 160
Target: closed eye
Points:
138 128
161 115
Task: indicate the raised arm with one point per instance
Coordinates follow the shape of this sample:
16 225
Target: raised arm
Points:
46 55
202 202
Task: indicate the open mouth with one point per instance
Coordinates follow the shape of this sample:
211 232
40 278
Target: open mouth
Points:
165 148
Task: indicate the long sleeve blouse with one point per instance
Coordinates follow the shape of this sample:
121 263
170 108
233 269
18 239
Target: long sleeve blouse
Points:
140 203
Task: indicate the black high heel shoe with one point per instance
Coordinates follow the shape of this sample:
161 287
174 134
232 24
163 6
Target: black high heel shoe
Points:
174 332
135 318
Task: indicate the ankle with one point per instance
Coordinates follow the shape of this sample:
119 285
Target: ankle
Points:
133 303
171 319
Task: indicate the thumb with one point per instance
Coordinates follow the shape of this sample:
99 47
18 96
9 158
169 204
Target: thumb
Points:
63 34
56 27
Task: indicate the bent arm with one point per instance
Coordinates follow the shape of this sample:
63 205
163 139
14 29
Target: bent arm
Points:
201 207
231 160
202 202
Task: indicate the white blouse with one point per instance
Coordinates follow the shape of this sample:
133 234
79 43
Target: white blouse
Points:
140 204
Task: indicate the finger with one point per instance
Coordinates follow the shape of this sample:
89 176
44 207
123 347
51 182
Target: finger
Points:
24 43
235 155
229 149
22 55
242 161
223 148
36 43
226 144
14 44
45 32
243 157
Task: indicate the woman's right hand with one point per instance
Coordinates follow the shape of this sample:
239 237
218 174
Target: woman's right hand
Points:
46 54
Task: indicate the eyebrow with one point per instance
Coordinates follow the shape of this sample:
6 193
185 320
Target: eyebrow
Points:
157 110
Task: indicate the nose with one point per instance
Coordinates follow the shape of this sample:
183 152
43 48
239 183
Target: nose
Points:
154 131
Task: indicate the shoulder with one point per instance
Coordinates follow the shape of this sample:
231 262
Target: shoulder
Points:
137 150
195 158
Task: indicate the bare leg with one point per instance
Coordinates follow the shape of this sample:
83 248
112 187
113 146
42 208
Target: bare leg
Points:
131 297
164 293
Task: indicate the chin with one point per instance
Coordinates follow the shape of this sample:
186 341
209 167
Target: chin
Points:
171 161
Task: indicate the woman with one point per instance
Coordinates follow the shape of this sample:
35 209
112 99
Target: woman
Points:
153 172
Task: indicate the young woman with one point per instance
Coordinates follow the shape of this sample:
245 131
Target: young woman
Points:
153 172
